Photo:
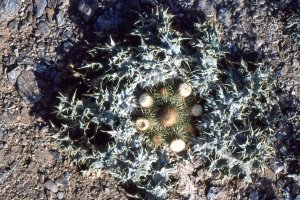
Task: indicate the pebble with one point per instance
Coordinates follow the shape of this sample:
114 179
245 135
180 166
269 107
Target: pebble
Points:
67 175
106 24
41 45
213 193
10 7
87 8
2 175
253 195
61 180
28 88
55 155
51 3
60 18
40 6
12 25
14 74
51 186
43 27
67 46
60 195
224 16
26 189
2 39
39 68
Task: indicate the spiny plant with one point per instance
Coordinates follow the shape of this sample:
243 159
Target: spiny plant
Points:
294 26
237 134
166 115
238 106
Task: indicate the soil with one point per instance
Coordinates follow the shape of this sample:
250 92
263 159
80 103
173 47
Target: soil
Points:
32 167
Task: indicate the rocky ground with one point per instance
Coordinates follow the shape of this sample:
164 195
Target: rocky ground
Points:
40 40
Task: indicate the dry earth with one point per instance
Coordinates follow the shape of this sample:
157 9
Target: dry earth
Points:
47 40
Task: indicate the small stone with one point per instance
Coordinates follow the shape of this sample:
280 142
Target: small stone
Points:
2 39
87 8
213 193
60 195
106 24
12 25
67 46
67 175
224 16
28 88
253 195
39 68
26 189
61 180
16 52
43 28
63 3
40 6
2 175
106 190
56 155
60 18
51 3
66 35
51 186
40 195
14 74
10 8
41 45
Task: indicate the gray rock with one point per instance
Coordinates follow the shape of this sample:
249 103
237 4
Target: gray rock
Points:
60 18
287 193
208 8
51 186
67 46
67 175
51 3
16 52
14 74
28 88
224 16
2 39
55 155
41 45
39 68
60 195
66 35
43 27
9 8
213 193
12 25
2 175
63 3
253 195
106 24
62 181
87 8
39 6
25 189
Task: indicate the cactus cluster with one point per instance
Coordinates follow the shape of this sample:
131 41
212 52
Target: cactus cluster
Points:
134 97
166 114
